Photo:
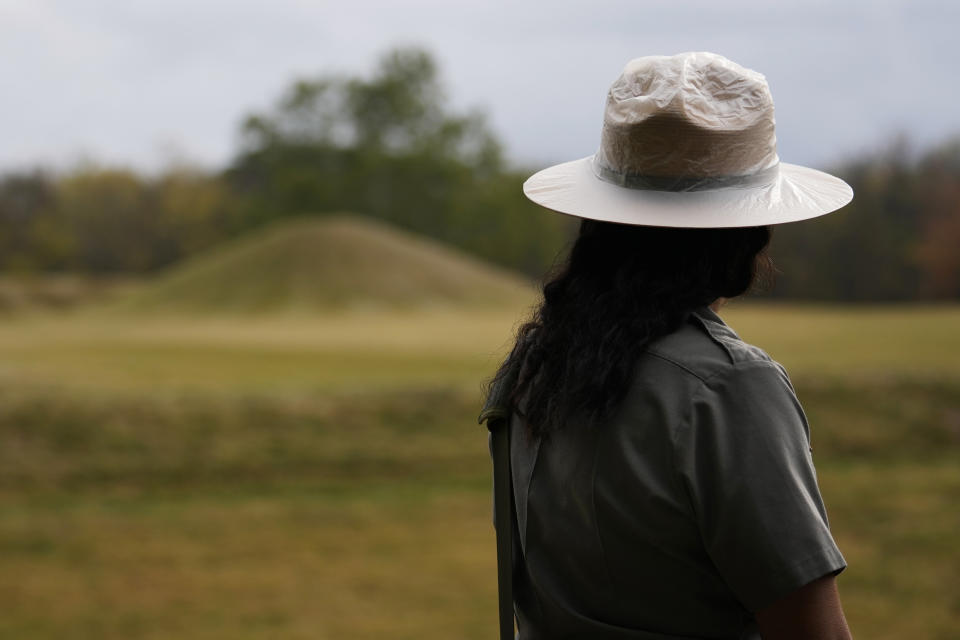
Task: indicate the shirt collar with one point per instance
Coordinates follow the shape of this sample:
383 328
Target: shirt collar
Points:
714 324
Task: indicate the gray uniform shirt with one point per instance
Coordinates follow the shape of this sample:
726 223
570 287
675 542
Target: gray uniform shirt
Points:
696 505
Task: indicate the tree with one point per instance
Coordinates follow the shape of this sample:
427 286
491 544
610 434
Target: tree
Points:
866 251
400 111
388 146
29 239
936 251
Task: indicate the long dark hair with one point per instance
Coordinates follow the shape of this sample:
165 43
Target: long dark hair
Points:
621 288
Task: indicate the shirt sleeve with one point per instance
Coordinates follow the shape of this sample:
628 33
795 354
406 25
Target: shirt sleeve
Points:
744 457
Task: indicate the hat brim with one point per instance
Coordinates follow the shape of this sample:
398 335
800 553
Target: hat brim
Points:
797 193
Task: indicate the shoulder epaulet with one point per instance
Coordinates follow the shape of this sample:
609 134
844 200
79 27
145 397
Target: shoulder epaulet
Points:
736 349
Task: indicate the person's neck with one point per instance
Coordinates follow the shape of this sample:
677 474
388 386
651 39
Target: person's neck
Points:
716 304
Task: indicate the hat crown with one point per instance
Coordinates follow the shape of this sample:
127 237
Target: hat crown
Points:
692 116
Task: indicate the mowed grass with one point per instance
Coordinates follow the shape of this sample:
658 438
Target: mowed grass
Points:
323 263
318 476
365 350
288 353
409 561
856 341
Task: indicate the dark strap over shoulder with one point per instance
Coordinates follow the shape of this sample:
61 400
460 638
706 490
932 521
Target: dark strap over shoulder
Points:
497 405
496 413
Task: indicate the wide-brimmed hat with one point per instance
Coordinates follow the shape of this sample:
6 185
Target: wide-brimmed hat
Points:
688 141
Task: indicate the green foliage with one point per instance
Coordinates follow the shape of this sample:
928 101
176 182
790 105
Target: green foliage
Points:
97 220
389 148
895 242
105 213
400 111
29 239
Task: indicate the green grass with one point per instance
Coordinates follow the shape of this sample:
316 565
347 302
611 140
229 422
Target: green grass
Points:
253 564
858 341
301 476
295 353
325 263
363 350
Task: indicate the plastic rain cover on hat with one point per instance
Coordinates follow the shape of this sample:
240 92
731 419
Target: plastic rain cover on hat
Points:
688 141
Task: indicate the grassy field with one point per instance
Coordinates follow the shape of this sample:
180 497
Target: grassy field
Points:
337 262
322 476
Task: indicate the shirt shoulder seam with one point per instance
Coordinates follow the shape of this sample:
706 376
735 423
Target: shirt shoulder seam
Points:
678 364
721 369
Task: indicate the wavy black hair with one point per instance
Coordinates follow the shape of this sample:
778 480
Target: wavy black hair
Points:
620 288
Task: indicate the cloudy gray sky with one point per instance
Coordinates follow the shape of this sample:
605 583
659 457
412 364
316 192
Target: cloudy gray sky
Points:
147 82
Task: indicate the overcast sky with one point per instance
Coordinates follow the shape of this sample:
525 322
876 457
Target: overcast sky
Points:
146 82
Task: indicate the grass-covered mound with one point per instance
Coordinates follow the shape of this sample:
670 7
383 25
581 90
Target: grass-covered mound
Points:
332 262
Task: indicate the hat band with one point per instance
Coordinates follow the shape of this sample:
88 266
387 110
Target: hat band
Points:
685 183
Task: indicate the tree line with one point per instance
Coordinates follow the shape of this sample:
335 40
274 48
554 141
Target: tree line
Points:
896 241
389 146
